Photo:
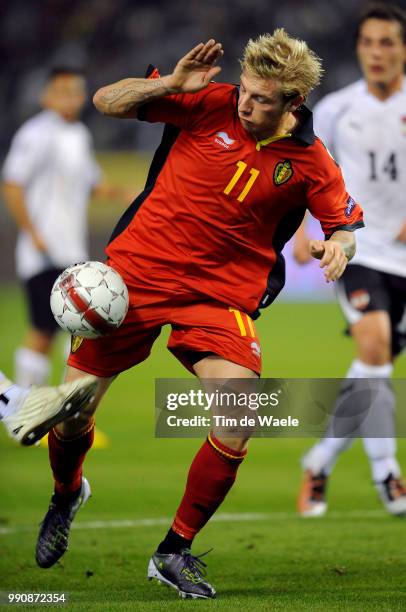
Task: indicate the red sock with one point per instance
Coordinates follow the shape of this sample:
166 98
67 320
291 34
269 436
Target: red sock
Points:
66 458
211 476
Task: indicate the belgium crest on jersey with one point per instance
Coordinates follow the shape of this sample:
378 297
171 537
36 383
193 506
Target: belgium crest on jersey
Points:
283 172
75 343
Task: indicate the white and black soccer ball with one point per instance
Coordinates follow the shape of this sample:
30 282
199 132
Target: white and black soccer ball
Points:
89 299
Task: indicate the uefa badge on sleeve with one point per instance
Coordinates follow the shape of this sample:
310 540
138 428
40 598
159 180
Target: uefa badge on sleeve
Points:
351 204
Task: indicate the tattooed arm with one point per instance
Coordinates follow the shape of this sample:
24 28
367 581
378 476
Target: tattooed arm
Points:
123 98
192 73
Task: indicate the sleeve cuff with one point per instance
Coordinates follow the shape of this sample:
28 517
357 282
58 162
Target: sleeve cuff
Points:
345 228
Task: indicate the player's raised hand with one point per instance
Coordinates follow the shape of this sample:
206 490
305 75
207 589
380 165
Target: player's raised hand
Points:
196 69
332 257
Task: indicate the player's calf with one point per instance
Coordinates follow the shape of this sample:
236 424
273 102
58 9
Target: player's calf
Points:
73 427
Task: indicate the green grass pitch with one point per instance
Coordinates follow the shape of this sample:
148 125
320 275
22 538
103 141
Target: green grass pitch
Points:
353 559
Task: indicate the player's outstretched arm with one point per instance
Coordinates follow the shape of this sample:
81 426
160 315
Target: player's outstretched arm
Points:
112 192
192 73
14 198
334 254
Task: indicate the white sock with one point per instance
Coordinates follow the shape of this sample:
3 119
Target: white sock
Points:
381 451
359 369
31 367
11 396
323 455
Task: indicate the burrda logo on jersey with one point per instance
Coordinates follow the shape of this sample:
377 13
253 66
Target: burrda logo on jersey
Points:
256 349
223 139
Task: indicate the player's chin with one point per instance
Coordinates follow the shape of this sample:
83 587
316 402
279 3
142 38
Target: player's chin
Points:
247 125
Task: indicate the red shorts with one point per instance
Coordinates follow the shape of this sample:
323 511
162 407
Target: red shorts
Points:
199 324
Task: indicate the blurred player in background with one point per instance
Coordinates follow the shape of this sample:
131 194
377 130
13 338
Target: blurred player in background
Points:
364 126
48 176
200 249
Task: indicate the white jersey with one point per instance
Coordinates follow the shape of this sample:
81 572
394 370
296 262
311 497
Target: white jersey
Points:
368 139
53 161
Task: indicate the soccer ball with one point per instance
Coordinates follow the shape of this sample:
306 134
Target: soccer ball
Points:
89 299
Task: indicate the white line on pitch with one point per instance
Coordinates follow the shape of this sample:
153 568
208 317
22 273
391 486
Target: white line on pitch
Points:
250 517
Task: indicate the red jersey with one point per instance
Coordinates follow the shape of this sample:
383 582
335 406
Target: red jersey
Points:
219 206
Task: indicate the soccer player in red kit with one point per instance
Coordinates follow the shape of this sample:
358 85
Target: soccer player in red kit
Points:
200 249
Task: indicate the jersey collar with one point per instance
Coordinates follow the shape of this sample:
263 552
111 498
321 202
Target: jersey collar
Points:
304 132
267 141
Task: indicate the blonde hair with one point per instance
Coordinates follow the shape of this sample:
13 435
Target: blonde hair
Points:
284 59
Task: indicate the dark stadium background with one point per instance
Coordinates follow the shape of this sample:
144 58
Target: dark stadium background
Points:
351 560
111 40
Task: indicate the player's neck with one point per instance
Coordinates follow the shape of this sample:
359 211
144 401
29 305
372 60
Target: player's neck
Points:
286 126
68 118
383 91
290 124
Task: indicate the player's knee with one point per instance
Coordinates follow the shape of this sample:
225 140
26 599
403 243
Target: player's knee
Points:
238 444
78 424
373 338
375 351
234 431
73 428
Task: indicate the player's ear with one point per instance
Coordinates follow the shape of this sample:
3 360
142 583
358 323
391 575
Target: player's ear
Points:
293 103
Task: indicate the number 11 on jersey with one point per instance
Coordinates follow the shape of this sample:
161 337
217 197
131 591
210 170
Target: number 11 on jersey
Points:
241 166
